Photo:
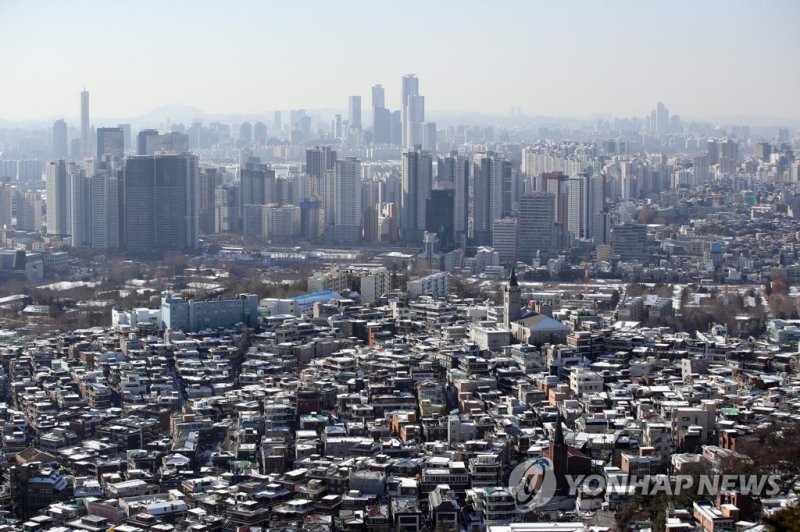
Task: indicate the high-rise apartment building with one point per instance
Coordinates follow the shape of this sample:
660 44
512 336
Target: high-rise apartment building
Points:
347 200
577 206
7 193
60 143
29 211
110 141
160 198
455 168
256 187
491 175
536 225
417 182
58 198
319 160
86 127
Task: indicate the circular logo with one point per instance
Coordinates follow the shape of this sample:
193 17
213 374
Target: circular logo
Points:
533 483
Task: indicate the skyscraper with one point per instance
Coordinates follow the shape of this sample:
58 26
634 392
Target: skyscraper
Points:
86 127
381 117
378 96
160 203
455 168
439 217
256 187
354 116
60 147
6 203
491 193
536 225
578 209
347 199
417 182
428 136
58 198
556 183
319 160
143 140
412 110
596 217
110 141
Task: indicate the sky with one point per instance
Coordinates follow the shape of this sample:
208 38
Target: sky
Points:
575 58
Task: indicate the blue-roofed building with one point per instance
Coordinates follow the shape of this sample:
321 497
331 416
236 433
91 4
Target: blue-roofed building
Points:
306 301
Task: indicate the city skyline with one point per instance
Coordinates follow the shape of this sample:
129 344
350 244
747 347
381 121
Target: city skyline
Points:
705 61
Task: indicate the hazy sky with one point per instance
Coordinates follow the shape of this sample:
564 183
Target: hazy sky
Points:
563 58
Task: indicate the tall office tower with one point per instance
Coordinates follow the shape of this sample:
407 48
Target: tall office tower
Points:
381 126
319 160
160 197
428 136
208 181
416 116
86 127
578 208
536 225
712 151
596 215
378 96
440 217
505 239
381 117
659 119
761 151
556 184
58 198
396 128
277 123
629 241
417 183
256 187
245 134
455 168
110 141
347 198
412 111
354 114
491 175
126 134
7 194
60 147
145 139
728 155
29 211
260 133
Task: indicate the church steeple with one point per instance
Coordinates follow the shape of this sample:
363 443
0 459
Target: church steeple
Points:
558 439
511 300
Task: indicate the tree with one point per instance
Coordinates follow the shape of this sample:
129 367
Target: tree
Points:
786 520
